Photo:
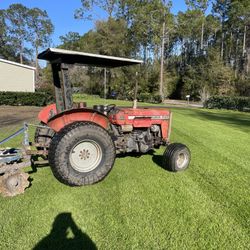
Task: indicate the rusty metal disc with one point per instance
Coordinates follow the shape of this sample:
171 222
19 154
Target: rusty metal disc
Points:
12 184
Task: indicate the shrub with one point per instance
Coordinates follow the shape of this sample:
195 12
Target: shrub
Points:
25 98
144 97
157 99
228 102
148 97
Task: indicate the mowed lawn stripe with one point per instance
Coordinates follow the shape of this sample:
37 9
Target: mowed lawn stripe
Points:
219 176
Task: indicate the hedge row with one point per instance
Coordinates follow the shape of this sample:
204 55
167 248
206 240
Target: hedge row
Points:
25 98
150 98
228 102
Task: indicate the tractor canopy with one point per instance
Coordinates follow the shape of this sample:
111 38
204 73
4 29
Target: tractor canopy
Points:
60 58
54 55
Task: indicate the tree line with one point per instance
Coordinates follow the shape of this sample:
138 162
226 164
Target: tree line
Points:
23 32
204 50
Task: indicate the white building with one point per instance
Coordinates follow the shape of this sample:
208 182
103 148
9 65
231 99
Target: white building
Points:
16 77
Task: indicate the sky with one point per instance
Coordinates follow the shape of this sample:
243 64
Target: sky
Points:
61 13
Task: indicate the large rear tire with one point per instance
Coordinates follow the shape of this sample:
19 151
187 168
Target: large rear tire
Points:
81 154
176 157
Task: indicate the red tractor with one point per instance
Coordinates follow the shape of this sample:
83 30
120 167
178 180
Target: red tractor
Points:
82 142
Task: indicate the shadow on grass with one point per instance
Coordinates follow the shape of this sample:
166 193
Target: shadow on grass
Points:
59 237
131 154
157 159
38 162
238 120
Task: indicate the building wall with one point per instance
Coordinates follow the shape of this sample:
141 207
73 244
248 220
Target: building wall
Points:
16 78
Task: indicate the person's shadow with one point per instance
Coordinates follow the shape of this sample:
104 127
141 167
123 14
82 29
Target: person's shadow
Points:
65 235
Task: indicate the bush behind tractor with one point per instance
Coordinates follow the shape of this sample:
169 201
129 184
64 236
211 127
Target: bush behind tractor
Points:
81 143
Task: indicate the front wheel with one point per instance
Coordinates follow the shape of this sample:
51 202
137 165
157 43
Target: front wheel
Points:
176 157
81 154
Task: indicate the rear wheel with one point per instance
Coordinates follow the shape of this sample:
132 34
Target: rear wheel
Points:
81 154
176 157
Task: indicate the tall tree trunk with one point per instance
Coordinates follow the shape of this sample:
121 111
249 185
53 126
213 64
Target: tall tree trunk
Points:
244 41
145 53
21 53
248 61
222 37
236 58
37 68
230 45
162 61
222 45
202 35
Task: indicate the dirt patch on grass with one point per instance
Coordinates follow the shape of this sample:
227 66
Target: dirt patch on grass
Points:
15 115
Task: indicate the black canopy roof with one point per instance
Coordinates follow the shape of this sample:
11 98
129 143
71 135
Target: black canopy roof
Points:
75 57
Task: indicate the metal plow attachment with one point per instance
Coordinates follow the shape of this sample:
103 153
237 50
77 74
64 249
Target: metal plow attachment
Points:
12 180
12 184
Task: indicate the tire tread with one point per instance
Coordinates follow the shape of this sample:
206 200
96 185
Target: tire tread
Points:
56 157
169 156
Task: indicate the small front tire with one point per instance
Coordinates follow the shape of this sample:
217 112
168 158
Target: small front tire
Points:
176 157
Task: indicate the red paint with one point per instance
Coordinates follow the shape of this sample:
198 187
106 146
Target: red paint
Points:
138 118
143 118
49 116
65 118
45 114
164 129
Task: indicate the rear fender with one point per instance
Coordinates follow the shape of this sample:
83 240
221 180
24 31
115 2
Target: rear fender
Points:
63 119
47 113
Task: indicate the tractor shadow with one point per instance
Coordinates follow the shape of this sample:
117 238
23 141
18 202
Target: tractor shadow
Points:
131 154
37 163
156 158
65 234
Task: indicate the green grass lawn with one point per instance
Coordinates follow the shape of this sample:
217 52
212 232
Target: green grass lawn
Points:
141 206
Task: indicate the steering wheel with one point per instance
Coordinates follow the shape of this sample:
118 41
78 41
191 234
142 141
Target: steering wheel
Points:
110 107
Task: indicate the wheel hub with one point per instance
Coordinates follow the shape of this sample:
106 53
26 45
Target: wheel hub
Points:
85 156
182 160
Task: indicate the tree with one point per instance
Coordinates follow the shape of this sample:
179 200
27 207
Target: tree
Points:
201 50
221 8
239 18
7 50
3 34
202 6
207 76
109 38
188 29
2 28
71 40
18 34
41 28
86 10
